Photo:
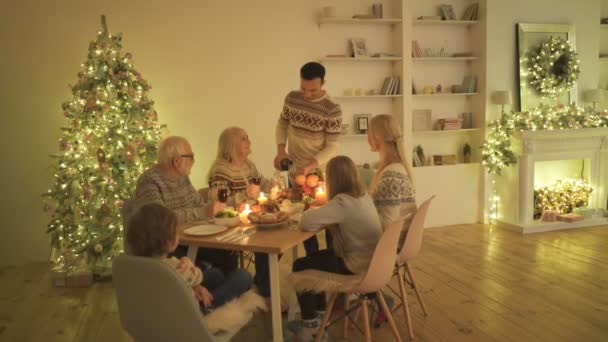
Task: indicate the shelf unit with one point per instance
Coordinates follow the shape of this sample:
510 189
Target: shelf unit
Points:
382 35
445 22
469 58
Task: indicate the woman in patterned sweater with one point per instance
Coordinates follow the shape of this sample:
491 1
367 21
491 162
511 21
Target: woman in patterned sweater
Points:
392 186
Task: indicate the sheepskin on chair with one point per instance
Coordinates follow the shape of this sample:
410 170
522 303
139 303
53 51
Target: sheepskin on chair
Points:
233 315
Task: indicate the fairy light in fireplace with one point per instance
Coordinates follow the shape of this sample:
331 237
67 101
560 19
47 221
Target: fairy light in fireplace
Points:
564 195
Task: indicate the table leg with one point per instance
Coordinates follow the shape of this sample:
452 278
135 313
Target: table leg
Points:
275 296
192 252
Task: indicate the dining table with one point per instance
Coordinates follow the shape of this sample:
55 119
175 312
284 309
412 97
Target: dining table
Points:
272 241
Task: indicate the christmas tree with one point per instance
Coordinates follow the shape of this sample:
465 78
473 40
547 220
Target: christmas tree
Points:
112 138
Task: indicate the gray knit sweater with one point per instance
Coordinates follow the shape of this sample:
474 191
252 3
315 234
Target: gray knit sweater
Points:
178 195
358 230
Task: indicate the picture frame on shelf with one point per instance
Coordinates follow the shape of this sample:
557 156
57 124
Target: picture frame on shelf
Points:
447 12
361 123
359 47
421 120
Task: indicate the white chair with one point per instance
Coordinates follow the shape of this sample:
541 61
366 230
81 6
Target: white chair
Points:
409 250
377 276
155 304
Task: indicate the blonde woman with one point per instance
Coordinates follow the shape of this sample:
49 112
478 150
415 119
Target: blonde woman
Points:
232 170
392 186
356 230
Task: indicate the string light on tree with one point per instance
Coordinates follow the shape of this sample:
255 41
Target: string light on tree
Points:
110 140
563 196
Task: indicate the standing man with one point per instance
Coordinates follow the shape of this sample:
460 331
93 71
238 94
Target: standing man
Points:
309 127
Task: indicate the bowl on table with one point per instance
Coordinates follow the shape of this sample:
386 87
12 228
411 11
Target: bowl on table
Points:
227 221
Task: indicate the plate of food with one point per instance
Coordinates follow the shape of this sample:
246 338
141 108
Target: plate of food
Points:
268 220
205 229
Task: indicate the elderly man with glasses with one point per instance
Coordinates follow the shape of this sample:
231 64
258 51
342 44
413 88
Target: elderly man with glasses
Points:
167 183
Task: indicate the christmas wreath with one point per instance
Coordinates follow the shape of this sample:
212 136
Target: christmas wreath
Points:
553 67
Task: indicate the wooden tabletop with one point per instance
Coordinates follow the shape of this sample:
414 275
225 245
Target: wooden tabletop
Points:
274 240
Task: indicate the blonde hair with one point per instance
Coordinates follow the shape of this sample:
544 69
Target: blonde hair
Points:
385 130
170 148
225 147
343 178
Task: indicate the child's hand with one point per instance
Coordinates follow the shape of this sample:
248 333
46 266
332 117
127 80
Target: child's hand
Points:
184 264
203 295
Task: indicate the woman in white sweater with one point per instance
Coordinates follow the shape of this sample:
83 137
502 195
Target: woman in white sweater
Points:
355 226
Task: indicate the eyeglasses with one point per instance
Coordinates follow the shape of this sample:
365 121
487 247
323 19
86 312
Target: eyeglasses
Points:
191 156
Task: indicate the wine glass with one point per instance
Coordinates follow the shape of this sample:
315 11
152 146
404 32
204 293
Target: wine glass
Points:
222 191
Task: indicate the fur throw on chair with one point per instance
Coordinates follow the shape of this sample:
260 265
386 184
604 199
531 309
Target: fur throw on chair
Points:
321 281
233 315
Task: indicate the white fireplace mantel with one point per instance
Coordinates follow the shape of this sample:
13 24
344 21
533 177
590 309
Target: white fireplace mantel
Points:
534 146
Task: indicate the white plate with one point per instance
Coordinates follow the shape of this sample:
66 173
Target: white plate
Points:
205 229
271 225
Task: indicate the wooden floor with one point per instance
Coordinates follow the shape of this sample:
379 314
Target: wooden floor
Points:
480 283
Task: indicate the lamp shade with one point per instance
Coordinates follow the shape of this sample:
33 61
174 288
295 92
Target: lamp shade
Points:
594 95
502 97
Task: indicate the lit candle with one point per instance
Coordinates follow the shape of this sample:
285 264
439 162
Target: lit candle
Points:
262 199
244 213
320 196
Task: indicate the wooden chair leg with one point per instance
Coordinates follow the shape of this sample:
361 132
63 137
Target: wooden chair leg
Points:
346 320
330 308
406 307
389 316
242 259
416 290
368 334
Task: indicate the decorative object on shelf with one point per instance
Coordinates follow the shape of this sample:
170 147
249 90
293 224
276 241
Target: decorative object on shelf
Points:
548 64
553 67
348 92
438 88
466 153
345 128
585 212
361 123
421 120
428 90
329 11
448 124
604 21
549 215
359 92
447 12
496 151
445 159
377 10
594 96
419 158
467 120
417 50
471 13
562 196
359 47
502 98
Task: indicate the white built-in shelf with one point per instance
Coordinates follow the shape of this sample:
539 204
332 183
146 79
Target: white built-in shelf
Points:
360 59
367 97
445 22
469 58
351 135
444 94
359 21
448 131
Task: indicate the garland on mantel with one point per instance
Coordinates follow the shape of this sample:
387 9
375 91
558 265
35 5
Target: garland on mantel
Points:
553 67
496 151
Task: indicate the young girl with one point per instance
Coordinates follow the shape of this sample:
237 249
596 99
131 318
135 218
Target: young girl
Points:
153 233
356 231
392 186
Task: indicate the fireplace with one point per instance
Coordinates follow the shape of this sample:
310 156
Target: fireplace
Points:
544 157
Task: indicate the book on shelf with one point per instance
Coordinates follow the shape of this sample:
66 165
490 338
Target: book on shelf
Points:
390 86
416 159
